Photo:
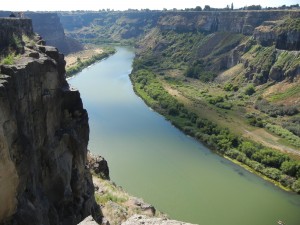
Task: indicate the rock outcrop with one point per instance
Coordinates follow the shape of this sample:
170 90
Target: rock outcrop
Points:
284 34
11 31
88 221
98 165
44 134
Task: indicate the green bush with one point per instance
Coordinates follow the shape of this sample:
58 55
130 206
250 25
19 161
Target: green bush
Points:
215 99
224 105
284 133
230 87
290 168
250 90
296 186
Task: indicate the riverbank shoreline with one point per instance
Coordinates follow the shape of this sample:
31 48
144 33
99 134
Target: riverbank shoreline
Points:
152 160
177 122
78 61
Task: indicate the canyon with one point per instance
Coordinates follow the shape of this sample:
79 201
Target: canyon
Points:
44 130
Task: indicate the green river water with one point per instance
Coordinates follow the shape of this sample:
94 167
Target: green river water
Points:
153 160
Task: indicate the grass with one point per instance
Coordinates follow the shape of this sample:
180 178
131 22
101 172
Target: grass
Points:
9 59
102 199
291 92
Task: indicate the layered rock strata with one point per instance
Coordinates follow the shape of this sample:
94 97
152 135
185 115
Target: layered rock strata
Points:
44 134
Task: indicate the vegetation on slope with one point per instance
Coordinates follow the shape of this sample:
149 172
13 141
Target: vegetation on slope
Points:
236 93
230 104
273 164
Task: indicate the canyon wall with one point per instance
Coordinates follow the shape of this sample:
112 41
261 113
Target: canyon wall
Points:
48 25
133 24
44 134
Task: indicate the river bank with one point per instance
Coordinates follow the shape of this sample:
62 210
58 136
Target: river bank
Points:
76 62
240 150
83 59
153 160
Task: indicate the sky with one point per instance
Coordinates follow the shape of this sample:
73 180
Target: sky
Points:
67 5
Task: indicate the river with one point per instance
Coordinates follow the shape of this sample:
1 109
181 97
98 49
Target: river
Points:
153 160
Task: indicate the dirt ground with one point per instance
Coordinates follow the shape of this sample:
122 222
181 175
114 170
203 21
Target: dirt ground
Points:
71 59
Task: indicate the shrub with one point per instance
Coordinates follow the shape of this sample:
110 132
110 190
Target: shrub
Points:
250 90
269 157
254 120
230 87
296 186
224 105
293 125
248 148
284 133
215 99
290 167
275 110
9 60
273 173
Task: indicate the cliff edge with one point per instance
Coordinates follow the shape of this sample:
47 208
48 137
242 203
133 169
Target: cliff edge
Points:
44 134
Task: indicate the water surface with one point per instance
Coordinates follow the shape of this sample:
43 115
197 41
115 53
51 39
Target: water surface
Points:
151 159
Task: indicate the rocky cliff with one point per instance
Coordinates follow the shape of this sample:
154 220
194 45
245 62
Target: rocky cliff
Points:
48 25
116 26
44 134
11 31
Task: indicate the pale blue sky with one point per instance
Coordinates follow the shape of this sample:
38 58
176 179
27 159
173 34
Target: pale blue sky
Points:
34 5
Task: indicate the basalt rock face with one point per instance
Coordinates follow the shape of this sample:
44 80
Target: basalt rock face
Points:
44 134
284 34
11 30
49 27
236 21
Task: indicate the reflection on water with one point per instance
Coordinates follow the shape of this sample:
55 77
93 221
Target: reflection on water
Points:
151 159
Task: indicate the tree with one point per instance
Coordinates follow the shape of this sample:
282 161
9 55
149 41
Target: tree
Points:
198 8
290 167
206 8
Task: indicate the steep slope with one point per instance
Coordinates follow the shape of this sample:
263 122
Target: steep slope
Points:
44 134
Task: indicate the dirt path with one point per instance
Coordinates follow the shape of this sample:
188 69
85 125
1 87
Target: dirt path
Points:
258 135
269 140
